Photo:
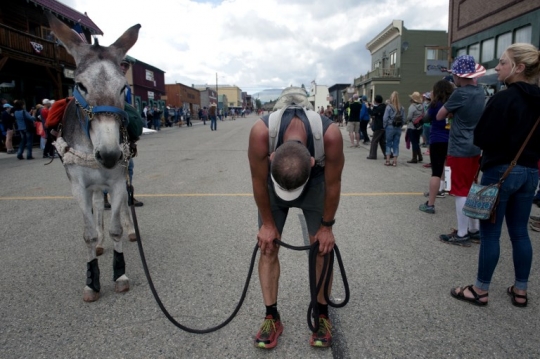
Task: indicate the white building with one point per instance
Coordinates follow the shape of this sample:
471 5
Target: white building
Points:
318 96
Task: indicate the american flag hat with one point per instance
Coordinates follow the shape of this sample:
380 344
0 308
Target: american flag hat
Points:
465 66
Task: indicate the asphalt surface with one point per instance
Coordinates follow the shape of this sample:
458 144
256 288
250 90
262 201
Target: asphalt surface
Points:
199 224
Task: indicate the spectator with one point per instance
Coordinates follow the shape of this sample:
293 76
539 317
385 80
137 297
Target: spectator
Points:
353 125
465 105
416 109
505 124
212 114
156 115
48 150
364 120
393 117
438 144
25 125
8 121
379 137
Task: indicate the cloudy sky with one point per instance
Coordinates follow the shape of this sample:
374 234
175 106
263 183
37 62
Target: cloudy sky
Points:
258 44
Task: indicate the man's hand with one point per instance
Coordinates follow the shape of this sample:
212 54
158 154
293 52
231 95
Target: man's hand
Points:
266 237
326 239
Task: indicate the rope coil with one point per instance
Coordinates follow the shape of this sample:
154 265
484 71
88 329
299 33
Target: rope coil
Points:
313 311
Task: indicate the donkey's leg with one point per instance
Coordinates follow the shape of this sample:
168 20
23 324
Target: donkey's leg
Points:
119 199
98 205
84 198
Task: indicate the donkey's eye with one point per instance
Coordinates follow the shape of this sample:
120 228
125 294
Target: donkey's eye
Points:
81 86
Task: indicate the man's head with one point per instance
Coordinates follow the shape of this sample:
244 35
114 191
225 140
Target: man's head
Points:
46 102
465 70
378 99
290 169
355 97
124 66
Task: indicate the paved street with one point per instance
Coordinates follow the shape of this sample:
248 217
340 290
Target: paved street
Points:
199 226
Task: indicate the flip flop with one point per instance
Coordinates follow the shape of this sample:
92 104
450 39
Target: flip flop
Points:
476 297
514 295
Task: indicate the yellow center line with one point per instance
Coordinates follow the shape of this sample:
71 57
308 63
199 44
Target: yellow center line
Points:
172 195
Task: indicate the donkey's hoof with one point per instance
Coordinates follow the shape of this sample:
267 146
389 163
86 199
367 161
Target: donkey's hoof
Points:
99 251
132 237
89 295
121 285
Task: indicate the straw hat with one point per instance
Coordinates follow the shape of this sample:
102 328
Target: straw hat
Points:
416 97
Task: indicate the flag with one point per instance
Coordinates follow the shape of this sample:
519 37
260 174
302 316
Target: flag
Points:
37 47
77 28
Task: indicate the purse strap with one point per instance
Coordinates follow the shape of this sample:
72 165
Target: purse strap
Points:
514 161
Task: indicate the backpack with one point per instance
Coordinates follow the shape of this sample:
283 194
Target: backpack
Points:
398 119
315 123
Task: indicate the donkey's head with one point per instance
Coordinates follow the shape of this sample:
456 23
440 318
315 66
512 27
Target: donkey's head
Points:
100 81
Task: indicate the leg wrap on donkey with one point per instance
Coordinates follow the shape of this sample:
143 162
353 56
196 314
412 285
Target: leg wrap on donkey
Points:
92 275
119 266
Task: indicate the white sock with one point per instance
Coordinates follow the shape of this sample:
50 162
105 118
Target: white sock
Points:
462 220
474 225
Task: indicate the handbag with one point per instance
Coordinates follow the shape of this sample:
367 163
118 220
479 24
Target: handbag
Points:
482 200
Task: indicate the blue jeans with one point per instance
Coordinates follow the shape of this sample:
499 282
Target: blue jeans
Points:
157 124
515 200
213 123
26 140
393 135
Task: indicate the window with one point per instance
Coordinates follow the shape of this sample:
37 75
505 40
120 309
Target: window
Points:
431 54
524 35
503 41
149 75
377 64
462 51
488 50
393 58
474 51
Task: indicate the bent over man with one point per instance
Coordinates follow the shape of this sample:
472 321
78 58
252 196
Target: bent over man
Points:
296 160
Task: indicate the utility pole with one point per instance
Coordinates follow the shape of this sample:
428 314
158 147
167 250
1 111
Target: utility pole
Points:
217 94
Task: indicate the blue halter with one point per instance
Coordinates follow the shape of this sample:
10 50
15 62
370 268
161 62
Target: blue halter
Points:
92 110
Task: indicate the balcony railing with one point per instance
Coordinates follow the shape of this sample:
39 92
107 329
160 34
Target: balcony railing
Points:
377 74
18 44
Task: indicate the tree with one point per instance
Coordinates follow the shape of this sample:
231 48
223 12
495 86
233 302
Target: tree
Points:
258 104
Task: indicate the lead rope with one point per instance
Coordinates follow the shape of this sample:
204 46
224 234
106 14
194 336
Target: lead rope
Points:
313 311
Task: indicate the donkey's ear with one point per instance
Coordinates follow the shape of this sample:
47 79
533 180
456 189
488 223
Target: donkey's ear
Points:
125 42
71 41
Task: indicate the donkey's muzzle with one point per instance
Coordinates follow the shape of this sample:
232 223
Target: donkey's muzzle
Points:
109 159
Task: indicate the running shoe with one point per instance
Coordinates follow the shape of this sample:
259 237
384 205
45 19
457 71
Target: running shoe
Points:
440 194
474 236
323 337
453 238
425 207
268 335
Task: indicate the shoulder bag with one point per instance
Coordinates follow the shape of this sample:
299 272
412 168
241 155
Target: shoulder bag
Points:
482 201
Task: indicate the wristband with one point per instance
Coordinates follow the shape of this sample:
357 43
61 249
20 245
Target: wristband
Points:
329 223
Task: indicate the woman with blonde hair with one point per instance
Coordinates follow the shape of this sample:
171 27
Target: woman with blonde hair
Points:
507 120
393 120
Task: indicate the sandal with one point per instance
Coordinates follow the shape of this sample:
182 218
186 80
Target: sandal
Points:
514 295
461 296
394 164
387 163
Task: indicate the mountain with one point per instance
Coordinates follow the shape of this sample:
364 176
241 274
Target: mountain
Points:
266 95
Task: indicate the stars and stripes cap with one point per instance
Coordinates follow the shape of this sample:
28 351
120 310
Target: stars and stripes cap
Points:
465 66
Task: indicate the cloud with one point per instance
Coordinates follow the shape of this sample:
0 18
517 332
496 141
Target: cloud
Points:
258 44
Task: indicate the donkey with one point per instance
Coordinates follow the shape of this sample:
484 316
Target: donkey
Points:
93 145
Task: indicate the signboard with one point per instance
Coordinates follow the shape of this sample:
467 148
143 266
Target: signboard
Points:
150 95
437 68
69 73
